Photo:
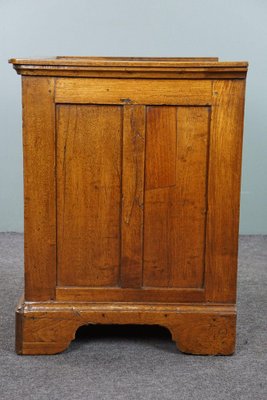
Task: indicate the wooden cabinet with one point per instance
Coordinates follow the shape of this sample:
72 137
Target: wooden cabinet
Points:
132 180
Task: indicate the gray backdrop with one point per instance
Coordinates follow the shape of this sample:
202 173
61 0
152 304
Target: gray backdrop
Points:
234 30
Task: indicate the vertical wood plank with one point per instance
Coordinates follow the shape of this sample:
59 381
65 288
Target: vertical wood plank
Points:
132 194
161 147
160 177
188 210
224 190
88 194
39 188
175 215
157 238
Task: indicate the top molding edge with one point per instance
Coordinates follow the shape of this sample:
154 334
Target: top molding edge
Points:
87 66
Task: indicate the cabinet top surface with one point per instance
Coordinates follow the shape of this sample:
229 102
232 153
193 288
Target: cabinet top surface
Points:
86 66
130 61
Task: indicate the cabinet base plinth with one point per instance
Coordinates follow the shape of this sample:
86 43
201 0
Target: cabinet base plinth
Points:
49 327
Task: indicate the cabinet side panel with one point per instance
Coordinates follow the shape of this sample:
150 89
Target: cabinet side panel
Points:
39 188
175 207
88 194
132 195
224 190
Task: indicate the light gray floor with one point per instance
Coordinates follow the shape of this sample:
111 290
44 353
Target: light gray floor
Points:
106 363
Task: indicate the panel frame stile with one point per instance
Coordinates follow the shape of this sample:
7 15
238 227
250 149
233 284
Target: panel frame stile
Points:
39 188
224 182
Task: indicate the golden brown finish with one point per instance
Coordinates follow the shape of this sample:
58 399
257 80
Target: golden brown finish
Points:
39 188
144 294
161 139
133 91
175 196
131 182
49 328
224 190
88 195
130 67
132 196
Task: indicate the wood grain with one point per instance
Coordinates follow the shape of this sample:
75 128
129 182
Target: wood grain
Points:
224 191
148 295
49 328
123 60
131 184
132 196
39 188
133 91
175 206
157 240
131 67
88 195
188 199
161 147
145 62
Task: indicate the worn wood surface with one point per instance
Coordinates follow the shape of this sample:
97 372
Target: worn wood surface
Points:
132 192
49 328
224 190
130 67
132 196
175 196
188 214
161 147
133 91
39 188
75 60
89 141
145 294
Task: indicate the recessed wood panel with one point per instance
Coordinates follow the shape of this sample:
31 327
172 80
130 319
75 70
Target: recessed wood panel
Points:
89 140
175 207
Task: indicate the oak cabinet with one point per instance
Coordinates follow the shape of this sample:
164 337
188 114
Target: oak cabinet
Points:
132 183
